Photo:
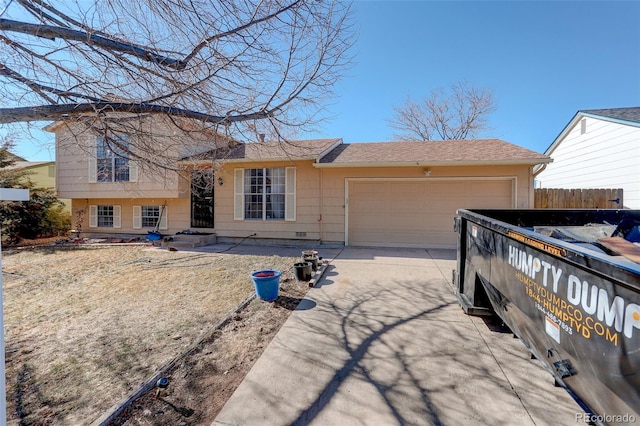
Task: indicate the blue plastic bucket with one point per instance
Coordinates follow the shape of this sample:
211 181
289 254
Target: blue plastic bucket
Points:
153 236
267 284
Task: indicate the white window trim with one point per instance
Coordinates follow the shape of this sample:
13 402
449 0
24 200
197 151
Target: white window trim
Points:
93 216
289 190
137 217
93 166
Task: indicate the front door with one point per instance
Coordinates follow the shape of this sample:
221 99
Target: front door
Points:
202 199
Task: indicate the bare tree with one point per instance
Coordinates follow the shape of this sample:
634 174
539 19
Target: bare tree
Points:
460 113
236 68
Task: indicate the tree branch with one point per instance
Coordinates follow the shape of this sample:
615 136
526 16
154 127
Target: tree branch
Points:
51 32
61 112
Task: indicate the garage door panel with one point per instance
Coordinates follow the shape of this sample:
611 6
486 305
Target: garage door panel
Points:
364 188
417 213
438 238
489 203
406 206
439 221
446 205
447 188
406 238
409 188
488 186
369 221
364 204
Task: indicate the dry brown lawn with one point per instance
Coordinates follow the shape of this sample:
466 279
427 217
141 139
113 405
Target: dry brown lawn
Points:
86 326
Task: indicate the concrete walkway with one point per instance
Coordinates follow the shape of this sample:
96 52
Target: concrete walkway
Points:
383 341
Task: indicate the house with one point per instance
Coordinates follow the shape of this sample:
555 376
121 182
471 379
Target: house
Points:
598 148
307 191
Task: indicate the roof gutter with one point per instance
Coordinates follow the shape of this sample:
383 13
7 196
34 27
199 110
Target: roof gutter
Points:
247 160
528 162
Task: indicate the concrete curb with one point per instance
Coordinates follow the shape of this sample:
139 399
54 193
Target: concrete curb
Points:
319 273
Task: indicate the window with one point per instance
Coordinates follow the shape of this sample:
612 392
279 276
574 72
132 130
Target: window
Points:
104 216
110 162
113 164
149 217
265 194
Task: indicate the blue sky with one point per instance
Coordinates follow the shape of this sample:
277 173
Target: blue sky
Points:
544 60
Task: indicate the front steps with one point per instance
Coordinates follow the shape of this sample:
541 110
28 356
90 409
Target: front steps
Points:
188 240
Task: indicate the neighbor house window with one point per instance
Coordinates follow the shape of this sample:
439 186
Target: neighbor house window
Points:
110 162
150 217
265 193
104 216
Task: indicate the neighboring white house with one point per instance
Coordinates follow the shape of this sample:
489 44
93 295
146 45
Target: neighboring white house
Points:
599 148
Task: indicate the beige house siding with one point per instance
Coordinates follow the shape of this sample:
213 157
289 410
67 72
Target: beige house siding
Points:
320 196
177 214
321 191
307 205
75 146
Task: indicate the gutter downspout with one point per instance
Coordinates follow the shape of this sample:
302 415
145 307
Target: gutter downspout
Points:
540 170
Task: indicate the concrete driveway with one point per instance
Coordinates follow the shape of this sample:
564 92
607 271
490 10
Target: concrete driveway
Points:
381 340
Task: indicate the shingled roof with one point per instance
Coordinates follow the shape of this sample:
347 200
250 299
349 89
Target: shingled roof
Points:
625 114
334 153
309 149
458 152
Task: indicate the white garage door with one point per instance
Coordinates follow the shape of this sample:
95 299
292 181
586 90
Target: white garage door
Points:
417 213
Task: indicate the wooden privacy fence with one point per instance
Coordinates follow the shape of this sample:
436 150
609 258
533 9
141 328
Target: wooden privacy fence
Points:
554 198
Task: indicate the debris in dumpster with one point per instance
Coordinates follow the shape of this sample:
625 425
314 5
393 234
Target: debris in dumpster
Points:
589 233
621 247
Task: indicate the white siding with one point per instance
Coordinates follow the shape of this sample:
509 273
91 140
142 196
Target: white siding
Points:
607 155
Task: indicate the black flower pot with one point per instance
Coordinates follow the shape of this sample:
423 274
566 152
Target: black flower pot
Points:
303 271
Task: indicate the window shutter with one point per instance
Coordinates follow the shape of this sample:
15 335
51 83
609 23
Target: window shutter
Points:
238 204
93 164
117 219
290 194
133 171
137 217
164 219
93 216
